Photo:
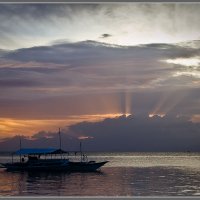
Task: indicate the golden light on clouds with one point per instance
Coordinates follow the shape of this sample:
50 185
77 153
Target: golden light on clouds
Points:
85 137
156 114
195 118
128 114
10 127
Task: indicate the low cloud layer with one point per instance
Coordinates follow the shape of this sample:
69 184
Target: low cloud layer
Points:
120 134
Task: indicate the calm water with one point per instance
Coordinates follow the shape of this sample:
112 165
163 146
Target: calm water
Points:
127 174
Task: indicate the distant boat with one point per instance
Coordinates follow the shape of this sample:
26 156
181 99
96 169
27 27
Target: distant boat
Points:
34 161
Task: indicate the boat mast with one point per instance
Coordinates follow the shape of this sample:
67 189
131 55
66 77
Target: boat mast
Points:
20 147
59 138
60 143
81 151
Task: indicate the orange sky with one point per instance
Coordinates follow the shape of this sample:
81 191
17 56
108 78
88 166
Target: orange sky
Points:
10 126
58 72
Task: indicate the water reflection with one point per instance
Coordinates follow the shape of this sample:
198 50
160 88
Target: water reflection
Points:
127 174
112 181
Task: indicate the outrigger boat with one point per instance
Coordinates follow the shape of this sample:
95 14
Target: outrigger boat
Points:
34 161
49 160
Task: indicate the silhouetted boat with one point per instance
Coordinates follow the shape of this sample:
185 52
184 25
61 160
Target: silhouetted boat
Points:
35 162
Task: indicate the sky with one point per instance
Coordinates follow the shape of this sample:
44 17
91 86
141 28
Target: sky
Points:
126 74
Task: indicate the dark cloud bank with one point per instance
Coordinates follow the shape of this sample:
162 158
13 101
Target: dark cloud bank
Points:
133 133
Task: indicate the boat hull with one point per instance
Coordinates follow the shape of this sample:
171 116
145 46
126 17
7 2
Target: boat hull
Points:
69 167
85 166
26 167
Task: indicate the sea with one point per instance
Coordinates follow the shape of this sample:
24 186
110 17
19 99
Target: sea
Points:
126 174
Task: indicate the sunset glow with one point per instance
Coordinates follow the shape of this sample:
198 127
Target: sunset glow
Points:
153 115
88 68
9 127
195 118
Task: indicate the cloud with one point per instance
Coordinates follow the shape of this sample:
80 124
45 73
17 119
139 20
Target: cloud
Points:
140 23
42 135
70 77
105 35
18 83
142 134
98 63
90 64
133 133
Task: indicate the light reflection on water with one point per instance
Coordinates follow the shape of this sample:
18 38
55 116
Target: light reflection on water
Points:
127 174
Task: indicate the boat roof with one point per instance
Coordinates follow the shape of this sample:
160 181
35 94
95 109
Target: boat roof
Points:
39 151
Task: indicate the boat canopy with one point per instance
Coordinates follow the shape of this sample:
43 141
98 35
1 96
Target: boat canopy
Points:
39 151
